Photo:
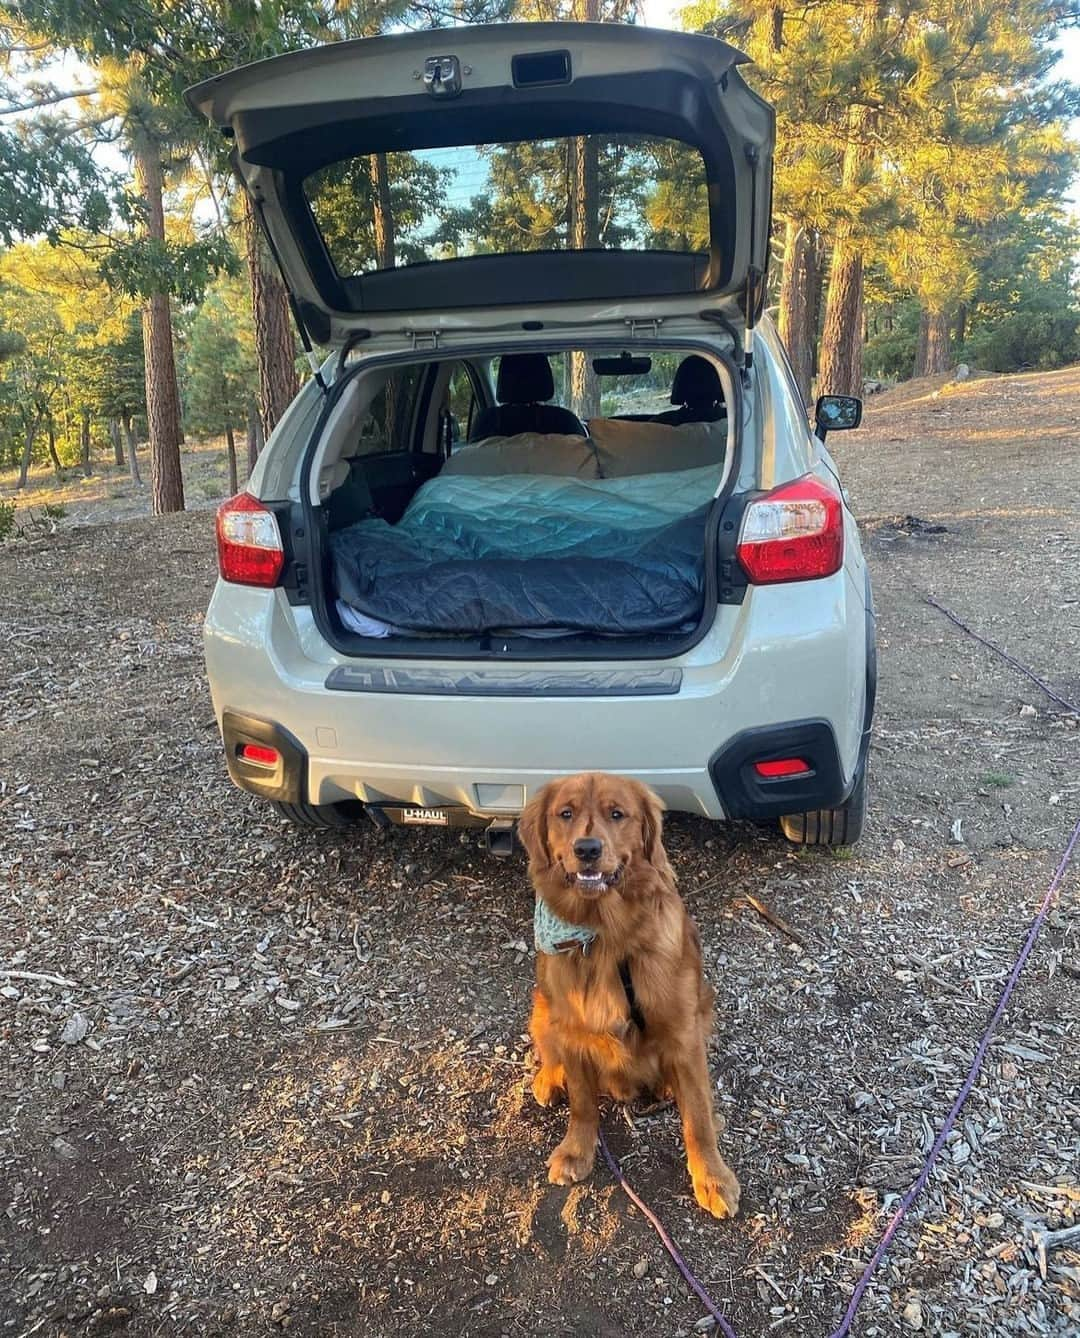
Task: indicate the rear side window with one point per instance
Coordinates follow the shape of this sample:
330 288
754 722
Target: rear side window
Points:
580 192
390 423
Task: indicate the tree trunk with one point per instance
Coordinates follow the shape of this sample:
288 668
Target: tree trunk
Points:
382 214
84 441
28 446
132 457
57 466
919 368
230 441
254 437
584 201
841 365
800 296
162 394
938 353
841 339
275 350
117 443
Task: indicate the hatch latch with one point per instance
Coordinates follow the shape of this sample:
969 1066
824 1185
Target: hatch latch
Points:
442 76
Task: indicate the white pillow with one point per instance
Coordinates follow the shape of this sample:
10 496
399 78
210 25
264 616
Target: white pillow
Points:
627 447
527 453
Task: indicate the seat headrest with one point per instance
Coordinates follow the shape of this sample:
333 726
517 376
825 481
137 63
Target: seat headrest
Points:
524 378
697 383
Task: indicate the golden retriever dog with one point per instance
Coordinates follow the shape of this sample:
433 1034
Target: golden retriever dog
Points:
620 1006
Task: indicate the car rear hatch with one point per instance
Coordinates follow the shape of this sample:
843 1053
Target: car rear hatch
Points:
370 167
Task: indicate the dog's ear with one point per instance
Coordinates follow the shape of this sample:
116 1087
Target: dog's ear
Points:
652 825
532 829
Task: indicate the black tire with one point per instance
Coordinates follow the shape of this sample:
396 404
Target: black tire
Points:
830 826
320 817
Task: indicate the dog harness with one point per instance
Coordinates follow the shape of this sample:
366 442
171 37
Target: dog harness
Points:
554 936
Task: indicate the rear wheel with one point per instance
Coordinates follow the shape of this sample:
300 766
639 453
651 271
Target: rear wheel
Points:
321 817
830 826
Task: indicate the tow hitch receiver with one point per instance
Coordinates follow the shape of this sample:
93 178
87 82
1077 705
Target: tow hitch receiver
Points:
499 838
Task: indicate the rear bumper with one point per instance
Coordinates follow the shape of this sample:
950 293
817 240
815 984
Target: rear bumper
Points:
779 660
742 792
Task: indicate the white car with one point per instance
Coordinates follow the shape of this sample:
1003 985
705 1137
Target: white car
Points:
442 586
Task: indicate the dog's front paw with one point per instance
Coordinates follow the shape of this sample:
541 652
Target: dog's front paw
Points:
568 1164
547 1086
718 1191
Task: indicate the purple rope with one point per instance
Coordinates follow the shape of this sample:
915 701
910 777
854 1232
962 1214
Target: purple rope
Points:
1004 654
668 1244
965 1091
924 1175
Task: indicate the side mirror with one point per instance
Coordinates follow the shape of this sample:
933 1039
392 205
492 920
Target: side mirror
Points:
837 413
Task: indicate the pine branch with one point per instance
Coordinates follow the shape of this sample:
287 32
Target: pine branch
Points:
47 100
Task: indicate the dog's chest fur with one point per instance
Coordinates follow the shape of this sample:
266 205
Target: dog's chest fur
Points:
585 991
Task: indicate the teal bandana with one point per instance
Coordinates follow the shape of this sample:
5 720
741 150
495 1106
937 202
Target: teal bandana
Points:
553 936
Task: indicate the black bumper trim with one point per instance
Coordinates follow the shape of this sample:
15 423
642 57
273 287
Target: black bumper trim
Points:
745 794
287 781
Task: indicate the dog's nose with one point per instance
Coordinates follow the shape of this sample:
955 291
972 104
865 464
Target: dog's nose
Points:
588 848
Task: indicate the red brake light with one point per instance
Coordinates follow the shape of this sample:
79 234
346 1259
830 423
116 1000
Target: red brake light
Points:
783 766
794 533
260 753
249 543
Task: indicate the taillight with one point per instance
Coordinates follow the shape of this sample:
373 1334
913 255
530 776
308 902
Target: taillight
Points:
794 533
249 543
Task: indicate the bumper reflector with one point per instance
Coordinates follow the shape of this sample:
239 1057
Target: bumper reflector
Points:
261 754
783 766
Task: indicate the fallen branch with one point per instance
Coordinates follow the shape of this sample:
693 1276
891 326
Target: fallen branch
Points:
1050 1240
37 975
775 920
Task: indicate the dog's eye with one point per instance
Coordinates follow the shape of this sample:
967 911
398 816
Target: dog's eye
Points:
617 815
566 814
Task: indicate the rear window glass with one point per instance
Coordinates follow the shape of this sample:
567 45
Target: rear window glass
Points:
388 424
615 192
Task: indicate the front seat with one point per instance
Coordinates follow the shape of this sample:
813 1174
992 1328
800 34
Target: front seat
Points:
525 381
698 391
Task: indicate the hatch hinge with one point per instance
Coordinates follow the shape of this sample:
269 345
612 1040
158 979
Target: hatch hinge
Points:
649 326
424 339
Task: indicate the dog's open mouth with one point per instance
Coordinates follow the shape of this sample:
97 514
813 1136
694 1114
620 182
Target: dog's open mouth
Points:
593 881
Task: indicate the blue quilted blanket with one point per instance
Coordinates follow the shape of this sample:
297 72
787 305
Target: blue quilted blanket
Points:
498 553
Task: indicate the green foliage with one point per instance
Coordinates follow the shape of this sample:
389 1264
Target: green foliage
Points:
50 182
143 266
890 351
7 519
219 373
1037 335
118 376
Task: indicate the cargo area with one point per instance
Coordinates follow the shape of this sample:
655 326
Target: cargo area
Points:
463 498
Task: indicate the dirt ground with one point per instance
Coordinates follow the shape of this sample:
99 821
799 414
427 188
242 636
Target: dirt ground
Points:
279 1080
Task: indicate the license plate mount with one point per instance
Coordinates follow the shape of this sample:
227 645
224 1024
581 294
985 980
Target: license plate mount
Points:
426 817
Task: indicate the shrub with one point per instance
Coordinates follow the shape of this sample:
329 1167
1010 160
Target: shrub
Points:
7 520
1028 338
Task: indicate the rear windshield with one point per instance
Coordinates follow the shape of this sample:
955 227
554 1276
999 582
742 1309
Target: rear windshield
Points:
613 192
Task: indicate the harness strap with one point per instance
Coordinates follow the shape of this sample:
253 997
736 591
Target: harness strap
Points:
636 1015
